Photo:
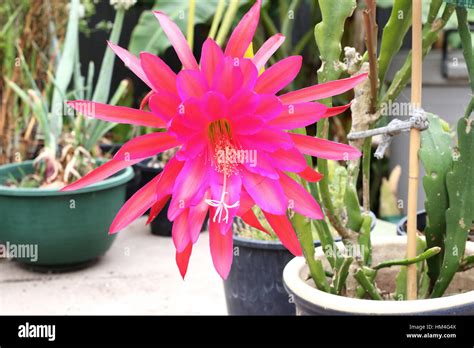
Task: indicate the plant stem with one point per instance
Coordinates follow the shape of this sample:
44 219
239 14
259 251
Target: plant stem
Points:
217 19
467 263
287 24
466 40
190 29
366 159
430 35
367 285
227 22
306 240
405 262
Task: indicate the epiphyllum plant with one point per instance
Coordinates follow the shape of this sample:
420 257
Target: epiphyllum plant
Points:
221 104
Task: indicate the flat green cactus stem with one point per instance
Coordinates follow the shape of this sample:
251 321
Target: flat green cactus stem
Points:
435 154
393 34
459 216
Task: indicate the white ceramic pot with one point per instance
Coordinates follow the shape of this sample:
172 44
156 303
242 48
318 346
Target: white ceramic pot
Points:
459 299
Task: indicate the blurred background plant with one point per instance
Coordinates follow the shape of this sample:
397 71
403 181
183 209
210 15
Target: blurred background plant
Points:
32 29
69 142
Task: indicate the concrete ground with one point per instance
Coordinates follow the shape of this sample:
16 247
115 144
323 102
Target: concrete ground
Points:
138 276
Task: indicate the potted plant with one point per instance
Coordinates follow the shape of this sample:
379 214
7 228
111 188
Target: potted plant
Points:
68 228
365 272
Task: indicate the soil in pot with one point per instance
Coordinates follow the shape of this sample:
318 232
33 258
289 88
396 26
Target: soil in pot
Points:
69 229
459 299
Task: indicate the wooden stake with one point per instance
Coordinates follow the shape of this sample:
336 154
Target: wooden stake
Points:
413 171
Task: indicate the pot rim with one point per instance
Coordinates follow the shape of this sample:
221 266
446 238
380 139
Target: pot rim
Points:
297 286
120 178
262 244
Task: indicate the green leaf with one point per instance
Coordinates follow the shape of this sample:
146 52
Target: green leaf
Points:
148 35
64 71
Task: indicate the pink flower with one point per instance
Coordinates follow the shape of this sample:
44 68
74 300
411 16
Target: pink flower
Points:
232 130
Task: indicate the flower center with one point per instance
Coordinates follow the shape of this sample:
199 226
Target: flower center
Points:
223 147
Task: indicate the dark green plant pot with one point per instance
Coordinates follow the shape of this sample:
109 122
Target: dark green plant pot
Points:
70 229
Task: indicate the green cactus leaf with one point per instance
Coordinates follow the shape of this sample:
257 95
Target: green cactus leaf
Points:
435 154
459 216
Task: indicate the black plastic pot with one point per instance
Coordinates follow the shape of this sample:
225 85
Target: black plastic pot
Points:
420 223
255 285
160 226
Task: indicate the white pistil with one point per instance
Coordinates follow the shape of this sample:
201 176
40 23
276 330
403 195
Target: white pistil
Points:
221 205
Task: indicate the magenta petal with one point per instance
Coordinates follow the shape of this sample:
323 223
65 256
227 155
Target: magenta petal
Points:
268 48
189 181
158 73
104 171
139 203
285 232
165 105
182 259
211 57
131 62
289 160
323 148
146 146
193 147
249 72
180 231
178 41
157 207
267 193
268 140
269 106
310 175
221 249
192 114
214 106
119 114
228 78
243 33
197 215
321 91
247 124
336 110
191 84
299 115
301 200
279 75
244 102
251 219
263 166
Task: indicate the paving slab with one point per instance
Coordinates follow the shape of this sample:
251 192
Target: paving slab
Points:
138 276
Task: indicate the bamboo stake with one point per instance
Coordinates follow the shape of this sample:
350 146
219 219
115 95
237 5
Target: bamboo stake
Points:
413 171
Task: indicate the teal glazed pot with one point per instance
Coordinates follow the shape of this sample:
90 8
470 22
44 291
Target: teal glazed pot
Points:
70 229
